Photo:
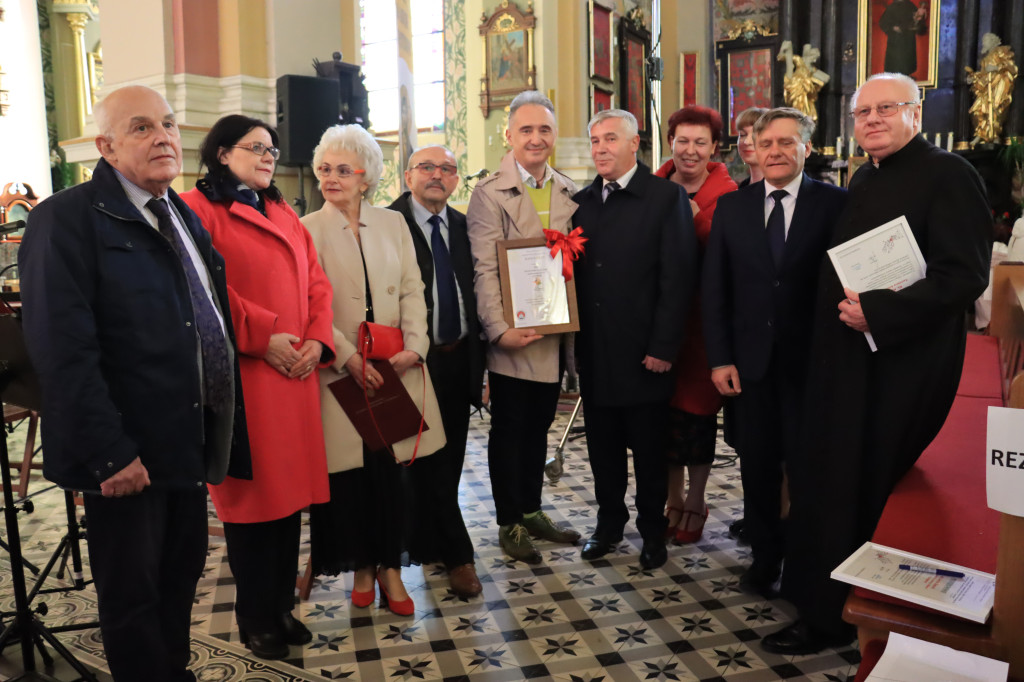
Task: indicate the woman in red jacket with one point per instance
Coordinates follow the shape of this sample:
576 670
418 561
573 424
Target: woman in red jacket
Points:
281 305
694 133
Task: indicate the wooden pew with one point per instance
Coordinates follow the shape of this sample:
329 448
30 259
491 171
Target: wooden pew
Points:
1003 636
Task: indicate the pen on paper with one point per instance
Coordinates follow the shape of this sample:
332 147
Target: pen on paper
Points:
931 571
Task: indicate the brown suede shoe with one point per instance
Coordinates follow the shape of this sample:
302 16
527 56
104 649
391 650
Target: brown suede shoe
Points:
464 581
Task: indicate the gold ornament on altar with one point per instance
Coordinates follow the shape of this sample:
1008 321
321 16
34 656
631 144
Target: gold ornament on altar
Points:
802 81
992 85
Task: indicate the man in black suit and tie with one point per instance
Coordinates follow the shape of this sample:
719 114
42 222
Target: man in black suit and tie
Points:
757 298
455 358
634 283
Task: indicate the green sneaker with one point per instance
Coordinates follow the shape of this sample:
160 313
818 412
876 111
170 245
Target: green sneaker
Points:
541 526
515 540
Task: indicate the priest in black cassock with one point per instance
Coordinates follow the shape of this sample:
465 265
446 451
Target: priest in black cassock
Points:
634 283
869 415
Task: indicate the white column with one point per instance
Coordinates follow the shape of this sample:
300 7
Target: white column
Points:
25 156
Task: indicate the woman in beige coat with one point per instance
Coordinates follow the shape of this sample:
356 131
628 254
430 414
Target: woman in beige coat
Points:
368 255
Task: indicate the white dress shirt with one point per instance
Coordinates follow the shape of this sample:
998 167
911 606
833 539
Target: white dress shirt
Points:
788 201
422 214
139 198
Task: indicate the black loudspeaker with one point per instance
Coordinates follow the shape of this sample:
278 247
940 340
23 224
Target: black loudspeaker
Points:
306 107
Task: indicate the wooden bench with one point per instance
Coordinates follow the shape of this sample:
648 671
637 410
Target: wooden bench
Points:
945 492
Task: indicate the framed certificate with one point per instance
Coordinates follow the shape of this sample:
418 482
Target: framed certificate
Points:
534 294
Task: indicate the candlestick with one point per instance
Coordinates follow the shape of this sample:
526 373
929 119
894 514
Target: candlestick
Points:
839 147
853 146
949 142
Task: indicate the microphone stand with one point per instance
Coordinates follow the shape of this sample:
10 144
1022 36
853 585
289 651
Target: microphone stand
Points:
25 626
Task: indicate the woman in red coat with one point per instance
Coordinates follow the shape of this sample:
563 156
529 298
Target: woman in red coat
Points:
281 305
693 134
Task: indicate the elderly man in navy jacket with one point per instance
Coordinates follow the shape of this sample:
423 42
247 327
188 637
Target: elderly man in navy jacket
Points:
127 323
634 282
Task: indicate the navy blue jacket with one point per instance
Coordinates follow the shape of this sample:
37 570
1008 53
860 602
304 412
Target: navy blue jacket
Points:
107 318
751 310
634 283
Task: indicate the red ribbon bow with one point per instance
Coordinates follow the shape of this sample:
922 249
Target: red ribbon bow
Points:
571 246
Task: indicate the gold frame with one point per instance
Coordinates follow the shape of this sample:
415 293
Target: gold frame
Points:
611 42
507 18
506 245
682 76
864 56
95 73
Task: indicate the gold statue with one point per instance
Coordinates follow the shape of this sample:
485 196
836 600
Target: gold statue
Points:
992 85
803 81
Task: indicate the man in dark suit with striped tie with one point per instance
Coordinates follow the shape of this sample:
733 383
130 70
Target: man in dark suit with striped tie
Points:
455 358
757 299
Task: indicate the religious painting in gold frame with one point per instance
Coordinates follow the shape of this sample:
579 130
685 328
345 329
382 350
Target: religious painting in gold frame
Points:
689 77
901 36
508 64
600 99
601 32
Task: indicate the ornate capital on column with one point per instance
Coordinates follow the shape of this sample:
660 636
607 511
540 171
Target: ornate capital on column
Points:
77 22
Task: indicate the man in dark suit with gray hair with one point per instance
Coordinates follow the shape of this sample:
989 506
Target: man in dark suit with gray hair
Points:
634 282
759 279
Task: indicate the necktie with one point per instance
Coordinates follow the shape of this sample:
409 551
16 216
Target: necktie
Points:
448 324
609 188
776 229
216 369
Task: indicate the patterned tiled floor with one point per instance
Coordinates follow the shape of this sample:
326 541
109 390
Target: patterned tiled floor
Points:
565 619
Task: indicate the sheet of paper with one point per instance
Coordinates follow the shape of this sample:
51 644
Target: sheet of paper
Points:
538 287
876 568
1004 475
907 659
886 257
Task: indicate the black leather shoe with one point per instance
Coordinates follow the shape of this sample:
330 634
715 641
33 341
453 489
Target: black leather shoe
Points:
596 547
760 578
294 631
738 531
270 646
653 554
799 639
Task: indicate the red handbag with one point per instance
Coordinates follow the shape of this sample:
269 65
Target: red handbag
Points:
381 342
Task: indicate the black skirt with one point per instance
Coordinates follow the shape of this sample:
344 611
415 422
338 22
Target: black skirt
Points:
692 438
367 521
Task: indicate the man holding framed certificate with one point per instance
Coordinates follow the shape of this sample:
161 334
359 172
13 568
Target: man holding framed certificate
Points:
871 413
635 283
522 199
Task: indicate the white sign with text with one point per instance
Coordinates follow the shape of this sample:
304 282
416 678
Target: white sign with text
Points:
1005 460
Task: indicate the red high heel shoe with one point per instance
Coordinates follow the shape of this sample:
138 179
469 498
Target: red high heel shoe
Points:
670 529
406 607
683 535
363 599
